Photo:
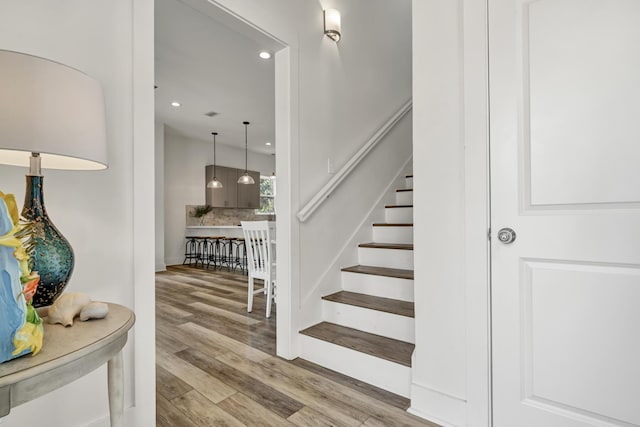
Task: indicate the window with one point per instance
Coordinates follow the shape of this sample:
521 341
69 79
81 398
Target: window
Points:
267 195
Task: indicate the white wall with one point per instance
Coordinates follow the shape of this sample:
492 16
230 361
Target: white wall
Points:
94 210
349 89
184 176
159 193
450 378
438 371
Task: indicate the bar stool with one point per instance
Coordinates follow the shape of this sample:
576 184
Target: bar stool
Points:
222 252
214 255
191 250
240 254
229 258
203 254
201 244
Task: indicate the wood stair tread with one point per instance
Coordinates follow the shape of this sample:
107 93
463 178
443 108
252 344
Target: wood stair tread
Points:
375 345
404 246
393 224
400 190
398 206
387 305
380 271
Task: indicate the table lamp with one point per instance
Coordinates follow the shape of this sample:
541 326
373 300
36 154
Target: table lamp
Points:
51 117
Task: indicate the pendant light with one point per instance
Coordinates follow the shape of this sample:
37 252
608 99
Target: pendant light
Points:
246 178
214 183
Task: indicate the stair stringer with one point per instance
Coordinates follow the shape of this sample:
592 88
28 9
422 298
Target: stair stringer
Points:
330 280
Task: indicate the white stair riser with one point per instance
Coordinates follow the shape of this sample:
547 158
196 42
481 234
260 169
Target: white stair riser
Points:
373 370
404 197
408 182
390 258
393 234
403 215
378 286
372 321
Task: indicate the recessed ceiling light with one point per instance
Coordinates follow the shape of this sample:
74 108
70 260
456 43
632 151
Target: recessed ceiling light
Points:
267 143
265 55
175 104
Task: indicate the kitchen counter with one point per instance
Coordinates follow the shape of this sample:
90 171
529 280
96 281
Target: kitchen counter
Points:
221 230
212 226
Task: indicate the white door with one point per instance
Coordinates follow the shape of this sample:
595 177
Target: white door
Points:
565 175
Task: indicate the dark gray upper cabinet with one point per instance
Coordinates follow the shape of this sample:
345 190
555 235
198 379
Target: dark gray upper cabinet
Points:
249 194
225 197
232 194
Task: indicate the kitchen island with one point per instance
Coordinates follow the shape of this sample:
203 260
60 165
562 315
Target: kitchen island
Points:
221 230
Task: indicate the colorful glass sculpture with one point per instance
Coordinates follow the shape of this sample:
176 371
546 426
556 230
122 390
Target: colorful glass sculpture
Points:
21 329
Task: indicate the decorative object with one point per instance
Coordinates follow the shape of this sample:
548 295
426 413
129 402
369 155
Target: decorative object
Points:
214 183
94 310
332 27
201 211
21 329
53 255
51 116
67 307
245 178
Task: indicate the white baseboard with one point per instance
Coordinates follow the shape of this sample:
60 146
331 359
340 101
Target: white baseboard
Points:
161 267
438 407
131 418
173 261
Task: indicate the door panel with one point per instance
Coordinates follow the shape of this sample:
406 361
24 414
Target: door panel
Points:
568 310
580 89
565 155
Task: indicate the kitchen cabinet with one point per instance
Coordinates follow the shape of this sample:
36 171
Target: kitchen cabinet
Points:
225 197
232 194
249 194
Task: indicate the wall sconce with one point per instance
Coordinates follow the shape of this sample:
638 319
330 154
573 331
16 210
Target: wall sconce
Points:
332 24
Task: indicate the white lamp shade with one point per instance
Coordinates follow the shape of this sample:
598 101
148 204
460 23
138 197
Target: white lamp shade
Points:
51 109
214 183
332 24
246 179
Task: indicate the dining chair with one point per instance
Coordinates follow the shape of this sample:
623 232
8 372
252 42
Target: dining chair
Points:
259 260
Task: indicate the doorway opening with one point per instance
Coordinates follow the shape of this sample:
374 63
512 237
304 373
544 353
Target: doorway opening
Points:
211 72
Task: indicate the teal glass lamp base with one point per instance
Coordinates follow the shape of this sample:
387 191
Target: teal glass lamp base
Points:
53 256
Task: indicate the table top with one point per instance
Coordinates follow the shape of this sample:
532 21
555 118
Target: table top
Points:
65 345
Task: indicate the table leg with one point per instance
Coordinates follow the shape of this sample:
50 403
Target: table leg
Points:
115 377
5 401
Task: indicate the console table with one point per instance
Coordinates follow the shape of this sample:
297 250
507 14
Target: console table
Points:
68 354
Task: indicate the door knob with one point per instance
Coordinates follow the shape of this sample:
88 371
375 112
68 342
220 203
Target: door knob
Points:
506 235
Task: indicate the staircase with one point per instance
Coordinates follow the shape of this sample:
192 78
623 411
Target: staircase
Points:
368 327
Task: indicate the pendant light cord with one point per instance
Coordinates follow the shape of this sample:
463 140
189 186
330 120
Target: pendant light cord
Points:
214 154
246 147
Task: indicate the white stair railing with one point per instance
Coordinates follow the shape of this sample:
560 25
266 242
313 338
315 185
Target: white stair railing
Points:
317 200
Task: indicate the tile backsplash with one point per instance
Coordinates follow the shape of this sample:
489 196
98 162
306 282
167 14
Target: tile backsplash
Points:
224 216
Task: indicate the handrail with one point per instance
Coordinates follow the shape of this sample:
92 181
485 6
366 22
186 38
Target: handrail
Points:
335 180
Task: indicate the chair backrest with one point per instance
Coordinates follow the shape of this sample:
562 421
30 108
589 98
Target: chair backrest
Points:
258 243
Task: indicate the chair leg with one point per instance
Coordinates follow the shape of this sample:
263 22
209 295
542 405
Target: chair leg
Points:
268 286
250 295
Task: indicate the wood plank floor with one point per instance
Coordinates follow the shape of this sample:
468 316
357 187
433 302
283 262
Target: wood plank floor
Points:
216 365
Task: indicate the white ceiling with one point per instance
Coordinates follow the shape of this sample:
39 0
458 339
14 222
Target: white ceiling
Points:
206 65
